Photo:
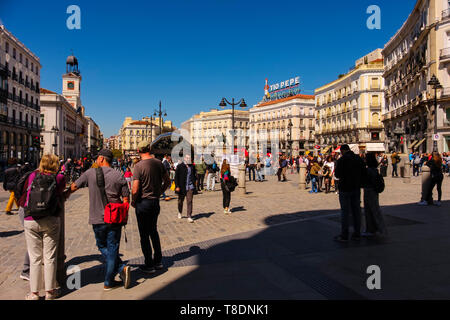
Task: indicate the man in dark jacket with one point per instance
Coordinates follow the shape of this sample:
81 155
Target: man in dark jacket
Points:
350 170
185 179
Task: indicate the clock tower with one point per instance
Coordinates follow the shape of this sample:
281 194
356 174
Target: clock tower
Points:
72 83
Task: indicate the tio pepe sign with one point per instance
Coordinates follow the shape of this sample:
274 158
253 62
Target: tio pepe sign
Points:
284 84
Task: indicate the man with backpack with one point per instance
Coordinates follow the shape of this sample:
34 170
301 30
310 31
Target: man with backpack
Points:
395 161
107 234
211 170
12 176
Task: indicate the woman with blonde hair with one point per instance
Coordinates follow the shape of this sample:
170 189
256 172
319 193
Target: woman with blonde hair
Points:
44 202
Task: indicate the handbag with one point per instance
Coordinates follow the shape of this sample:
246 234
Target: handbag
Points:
115 213
172 187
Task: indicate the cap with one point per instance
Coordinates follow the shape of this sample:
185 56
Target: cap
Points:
105 153
144 146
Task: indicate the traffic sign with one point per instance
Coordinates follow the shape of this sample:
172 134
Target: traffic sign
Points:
316 147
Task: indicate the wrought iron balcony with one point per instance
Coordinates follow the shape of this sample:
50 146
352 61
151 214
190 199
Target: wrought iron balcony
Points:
445 53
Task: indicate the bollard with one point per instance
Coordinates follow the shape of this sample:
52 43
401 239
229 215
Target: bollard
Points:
302 177
241 181
426 182
406 170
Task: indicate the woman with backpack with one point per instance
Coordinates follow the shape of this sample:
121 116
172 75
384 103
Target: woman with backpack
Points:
373 186
44 203
225 175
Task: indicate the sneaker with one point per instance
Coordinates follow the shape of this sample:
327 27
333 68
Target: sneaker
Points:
438 203
25 276
423 203
179 216
52 295
340 239
125 276
159 266
114 285
9 213
190 220
32 296
146 269
167 198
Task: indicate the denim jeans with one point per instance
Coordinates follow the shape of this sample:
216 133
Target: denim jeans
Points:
314 183
350 204
108 242
147 212
258 175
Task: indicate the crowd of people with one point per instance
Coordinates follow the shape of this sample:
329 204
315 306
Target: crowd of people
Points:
40 195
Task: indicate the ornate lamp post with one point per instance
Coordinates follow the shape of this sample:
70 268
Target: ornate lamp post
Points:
55 131
435 84
159 113
289 134
241 104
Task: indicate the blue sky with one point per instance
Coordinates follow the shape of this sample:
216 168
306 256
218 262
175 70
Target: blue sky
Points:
191 53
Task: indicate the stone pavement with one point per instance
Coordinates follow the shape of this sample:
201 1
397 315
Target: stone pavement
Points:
276 244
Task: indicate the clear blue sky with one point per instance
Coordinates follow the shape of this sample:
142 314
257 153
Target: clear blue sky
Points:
191 53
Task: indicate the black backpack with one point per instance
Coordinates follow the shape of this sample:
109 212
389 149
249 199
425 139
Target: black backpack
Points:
12 176
378 182
232 184
42 201
18 190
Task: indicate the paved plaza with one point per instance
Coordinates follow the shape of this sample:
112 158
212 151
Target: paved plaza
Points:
276 244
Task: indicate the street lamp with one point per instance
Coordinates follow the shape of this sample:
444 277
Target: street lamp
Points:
55 131
241 104
435 84
159 113
290 136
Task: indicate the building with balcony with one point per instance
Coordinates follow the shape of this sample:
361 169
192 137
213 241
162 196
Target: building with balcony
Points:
94 137
64 131
419 50
348 110
210 132
134 131
290 121
19 99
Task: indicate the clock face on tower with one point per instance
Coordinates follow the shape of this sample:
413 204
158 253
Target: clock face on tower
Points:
70 85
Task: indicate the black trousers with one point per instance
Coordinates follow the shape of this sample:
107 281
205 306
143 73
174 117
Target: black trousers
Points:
226 197
200 180
147 212
250 170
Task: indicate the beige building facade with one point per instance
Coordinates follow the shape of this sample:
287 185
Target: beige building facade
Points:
419 50
210 132
134 131
63 129
348 110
